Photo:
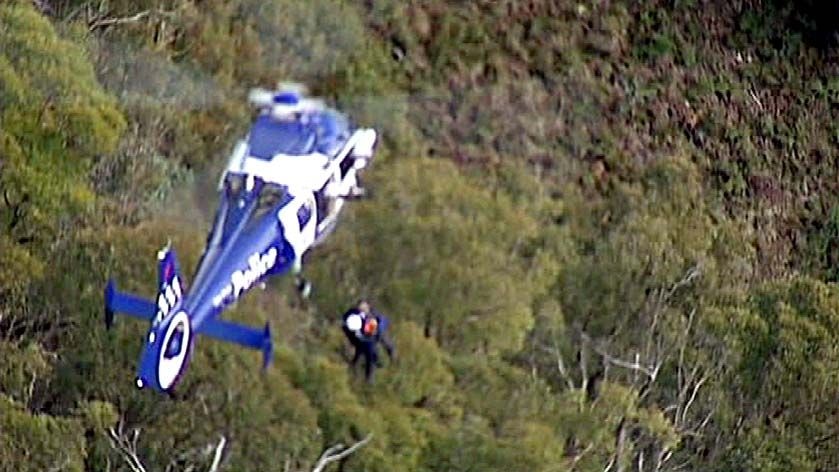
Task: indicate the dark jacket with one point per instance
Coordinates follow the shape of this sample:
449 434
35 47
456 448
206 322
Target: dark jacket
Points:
365 346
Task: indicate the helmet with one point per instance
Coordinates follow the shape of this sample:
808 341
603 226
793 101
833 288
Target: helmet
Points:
354 322
371 326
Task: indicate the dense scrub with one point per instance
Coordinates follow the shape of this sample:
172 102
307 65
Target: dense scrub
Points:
605 231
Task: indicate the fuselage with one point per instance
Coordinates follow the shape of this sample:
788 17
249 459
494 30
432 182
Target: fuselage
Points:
245 245
268 216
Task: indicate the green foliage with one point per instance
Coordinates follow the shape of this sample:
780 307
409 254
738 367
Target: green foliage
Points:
503 393
98 415
823 246
22 369
448 262
472 446
49 88
17 266
54 118
645 236
765 450
38 442
786 376
591 271
592 425
421 374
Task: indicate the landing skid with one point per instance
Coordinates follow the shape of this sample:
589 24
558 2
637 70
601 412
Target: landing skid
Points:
304 287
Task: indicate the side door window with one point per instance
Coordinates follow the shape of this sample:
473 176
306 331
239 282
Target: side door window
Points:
304 214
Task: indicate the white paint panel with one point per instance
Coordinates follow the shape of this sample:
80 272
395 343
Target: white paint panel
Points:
168 369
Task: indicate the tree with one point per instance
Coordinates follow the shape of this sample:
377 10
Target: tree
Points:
785 341
438 250
38 442
54 121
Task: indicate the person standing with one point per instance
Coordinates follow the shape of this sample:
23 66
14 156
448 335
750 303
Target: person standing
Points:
365 328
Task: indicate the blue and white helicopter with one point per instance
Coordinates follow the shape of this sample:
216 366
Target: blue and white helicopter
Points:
281 193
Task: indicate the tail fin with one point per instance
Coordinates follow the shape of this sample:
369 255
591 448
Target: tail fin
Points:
170 287
170 292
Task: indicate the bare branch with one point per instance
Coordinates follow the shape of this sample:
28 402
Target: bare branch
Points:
584 362
218 454
103 22
688 278
705 421
578 456
127 447
755 99
663 457
682 348
62 466
693 396
560 364
635 372
650 371
332 454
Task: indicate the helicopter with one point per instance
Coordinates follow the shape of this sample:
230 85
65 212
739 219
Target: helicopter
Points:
280 195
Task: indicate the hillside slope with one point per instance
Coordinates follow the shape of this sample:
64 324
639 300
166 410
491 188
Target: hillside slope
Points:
606 233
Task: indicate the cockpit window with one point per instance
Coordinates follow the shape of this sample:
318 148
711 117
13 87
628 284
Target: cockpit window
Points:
269 197
269 137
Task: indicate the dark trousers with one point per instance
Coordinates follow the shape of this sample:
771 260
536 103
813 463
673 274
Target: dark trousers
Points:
369 350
